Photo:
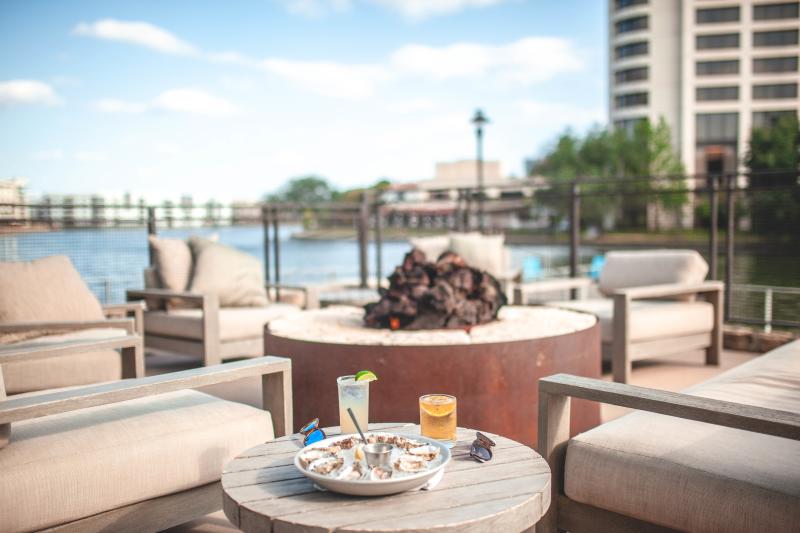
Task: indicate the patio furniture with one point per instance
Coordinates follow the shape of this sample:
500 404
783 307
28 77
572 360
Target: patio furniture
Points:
263 491
142 454
651 307
492 369
45 306
727 458
206 300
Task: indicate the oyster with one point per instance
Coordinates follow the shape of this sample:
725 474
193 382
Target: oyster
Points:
428 452
326 465
380 472
410 463
347 443
353 472
333 450
311 455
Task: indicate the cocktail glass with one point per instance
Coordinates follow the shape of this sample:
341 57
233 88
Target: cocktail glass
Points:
437 417
355 395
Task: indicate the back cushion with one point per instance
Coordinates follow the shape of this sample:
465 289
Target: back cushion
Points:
626 269
484 252
235 277
172 260
432 247
48 289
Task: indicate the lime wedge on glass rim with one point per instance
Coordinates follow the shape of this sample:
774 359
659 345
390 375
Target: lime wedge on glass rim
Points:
366 375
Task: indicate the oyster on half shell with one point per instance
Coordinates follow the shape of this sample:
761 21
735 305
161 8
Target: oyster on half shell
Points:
410 463
380 473
326 465
429 452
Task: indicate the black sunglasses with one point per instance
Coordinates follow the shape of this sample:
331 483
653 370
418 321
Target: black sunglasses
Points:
312 433
481 449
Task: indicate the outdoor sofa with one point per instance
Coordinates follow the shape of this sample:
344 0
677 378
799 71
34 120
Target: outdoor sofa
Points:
207 300
726 458
656 303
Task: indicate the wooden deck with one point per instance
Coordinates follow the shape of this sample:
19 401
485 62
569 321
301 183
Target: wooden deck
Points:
672 374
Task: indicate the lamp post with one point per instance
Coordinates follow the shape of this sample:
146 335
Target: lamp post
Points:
479 120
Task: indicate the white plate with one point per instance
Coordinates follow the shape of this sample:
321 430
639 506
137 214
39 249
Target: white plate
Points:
368 487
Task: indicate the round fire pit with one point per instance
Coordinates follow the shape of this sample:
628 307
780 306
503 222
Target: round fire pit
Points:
493 370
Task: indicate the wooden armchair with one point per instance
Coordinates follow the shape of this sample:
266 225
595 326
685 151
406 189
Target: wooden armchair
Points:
142 454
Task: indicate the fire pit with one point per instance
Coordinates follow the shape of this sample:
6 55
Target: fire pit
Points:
493 369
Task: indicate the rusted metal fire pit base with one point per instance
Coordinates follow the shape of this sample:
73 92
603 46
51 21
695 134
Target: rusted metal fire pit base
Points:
493 371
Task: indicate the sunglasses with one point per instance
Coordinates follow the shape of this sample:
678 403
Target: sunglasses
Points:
312 433
481 449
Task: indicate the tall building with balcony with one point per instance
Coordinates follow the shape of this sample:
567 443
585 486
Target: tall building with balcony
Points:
712 69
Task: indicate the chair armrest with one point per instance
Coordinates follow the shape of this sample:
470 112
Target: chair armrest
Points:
69 325
276 390
12 353
122 310
165 294
279 286
670 289
521 290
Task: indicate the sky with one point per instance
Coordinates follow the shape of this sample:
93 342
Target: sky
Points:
229 100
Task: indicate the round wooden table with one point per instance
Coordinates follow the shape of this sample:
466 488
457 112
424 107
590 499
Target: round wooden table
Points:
263 491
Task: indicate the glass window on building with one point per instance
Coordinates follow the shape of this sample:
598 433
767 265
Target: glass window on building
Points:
622 4
774 90
717 68
631 24
768 119
709 94
775 64
775 38
717 40
630 100
784 10
631 74
632 49
717 128
715 15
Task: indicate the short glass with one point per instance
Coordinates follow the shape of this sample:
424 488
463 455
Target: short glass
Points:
355 395
437 416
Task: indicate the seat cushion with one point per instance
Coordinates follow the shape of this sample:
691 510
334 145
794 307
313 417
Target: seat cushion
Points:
48 289
650 319
68 466
235 277
235 323
693 476
64 371
639 268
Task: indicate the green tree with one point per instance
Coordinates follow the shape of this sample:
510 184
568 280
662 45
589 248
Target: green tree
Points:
775 204
307 190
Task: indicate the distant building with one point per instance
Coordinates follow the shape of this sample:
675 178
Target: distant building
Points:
713 70
12 191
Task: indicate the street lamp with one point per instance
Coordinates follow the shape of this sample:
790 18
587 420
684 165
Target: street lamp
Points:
479 120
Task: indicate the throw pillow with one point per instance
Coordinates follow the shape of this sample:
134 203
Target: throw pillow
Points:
234 276
484 252
172 260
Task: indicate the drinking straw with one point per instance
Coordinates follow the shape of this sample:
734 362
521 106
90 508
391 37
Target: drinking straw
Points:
350 412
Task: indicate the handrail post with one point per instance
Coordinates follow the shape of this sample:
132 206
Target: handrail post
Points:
361 228
378 242
713 235
574 232
151 230
265 227
731 227
768 310
277 249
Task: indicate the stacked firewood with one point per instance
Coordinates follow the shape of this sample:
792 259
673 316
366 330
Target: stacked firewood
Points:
447 294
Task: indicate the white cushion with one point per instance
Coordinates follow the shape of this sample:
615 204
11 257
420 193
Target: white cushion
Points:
48 289
432 247
235 323
649 319
625 269
64 467
484 252
693 476
234 276
172 260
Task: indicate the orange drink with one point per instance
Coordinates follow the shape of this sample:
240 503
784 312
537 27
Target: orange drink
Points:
437 416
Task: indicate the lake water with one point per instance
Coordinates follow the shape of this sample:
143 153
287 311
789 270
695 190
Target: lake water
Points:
112 260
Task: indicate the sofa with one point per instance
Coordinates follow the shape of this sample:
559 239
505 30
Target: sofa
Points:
656 303
727 458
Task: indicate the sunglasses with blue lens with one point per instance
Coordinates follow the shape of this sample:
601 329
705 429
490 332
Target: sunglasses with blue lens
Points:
312 433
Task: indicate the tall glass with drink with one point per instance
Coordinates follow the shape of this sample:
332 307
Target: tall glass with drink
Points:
437 416
355 395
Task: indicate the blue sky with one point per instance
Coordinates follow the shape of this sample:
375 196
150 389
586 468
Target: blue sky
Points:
230 99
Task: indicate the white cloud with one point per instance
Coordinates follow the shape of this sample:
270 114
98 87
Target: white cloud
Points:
329 78
113 105
53 154
413 105
556 116
134 32
419 9
89 156
14 92
526 61
182 100
315 8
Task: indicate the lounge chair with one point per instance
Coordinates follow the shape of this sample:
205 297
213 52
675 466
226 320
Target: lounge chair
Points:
727 458
651 307
44 306
212 306
142 454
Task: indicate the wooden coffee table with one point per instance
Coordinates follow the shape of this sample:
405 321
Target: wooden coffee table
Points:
263 491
